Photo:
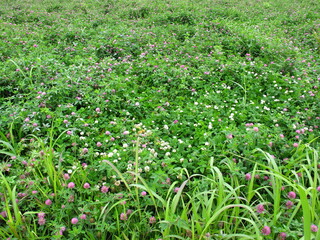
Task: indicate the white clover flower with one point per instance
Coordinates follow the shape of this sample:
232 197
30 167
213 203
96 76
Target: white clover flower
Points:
138 125
146 168
110 154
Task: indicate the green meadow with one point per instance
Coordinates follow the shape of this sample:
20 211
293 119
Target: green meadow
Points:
193 119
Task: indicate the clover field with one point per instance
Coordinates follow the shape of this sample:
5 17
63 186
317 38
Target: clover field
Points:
194 119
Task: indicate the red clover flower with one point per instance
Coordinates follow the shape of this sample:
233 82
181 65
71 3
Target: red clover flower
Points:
266 230
282 236
248 176
74 220
41 221
314 228
143 193
260 208
123 216
289 204
152 220
104 189
292 195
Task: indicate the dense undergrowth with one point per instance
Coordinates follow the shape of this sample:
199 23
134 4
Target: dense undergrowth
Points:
159 119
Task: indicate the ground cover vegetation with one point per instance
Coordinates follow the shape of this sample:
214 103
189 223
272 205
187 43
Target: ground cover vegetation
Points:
159 119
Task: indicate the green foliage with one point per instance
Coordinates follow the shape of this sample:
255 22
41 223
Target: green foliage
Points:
159 119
